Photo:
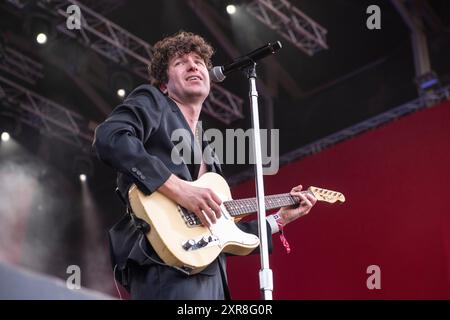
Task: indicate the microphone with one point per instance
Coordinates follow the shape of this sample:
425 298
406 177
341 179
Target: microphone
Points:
218 73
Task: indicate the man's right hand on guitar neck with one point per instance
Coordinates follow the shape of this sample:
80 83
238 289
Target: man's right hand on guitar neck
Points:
201 201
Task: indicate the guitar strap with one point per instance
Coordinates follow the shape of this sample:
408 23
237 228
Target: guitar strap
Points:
140 224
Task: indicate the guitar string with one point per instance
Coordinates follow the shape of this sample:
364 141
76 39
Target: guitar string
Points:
236 207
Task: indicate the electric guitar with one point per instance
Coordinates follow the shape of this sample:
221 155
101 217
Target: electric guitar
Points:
180 239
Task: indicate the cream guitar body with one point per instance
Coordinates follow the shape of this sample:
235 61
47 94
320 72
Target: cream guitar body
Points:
179 238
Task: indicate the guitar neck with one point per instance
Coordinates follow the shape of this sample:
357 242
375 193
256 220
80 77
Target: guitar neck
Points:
249 205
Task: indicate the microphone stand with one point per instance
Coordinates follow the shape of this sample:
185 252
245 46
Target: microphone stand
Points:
265 274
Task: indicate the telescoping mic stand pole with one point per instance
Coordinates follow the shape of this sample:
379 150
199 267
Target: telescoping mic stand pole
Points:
247 63
265 274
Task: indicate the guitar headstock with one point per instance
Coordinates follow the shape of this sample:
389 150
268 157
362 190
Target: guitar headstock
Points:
326 195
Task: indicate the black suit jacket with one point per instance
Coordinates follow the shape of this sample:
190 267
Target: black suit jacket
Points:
136 140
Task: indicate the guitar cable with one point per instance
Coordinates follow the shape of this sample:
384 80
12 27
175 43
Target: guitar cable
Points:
158 262
146 255
115 282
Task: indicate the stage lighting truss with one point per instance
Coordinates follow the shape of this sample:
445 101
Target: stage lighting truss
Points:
122 47
19 65
103 7
18 3
291 23
49 117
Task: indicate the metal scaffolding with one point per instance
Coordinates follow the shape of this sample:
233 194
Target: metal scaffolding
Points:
230 106
122 47
412 19
291 23
49 117
19 65
101 6
411 14
423 102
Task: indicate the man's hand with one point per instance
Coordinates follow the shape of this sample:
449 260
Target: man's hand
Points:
201 201
291 213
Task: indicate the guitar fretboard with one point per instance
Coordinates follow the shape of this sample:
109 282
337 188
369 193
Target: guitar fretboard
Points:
249 205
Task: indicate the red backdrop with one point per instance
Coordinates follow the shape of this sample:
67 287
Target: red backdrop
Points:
397 216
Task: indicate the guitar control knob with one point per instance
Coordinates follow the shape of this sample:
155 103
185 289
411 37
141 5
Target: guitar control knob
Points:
203 241
188 244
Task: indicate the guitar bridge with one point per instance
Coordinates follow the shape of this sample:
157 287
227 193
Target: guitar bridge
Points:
189 218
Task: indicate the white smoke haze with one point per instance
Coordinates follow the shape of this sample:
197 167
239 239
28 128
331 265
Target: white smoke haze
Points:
98 273
29 232
16 195
46 225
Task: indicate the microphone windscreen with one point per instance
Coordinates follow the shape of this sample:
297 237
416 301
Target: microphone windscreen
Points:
216 74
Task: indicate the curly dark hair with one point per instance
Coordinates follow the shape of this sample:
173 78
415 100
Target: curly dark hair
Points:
178 44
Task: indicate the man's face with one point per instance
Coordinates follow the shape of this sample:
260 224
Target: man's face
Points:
188 78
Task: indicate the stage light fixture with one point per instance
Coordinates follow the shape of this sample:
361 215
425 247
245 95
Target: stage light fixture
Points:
428 83
121 82
40 26
41 38
5 136
121 93
231 9
83 167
